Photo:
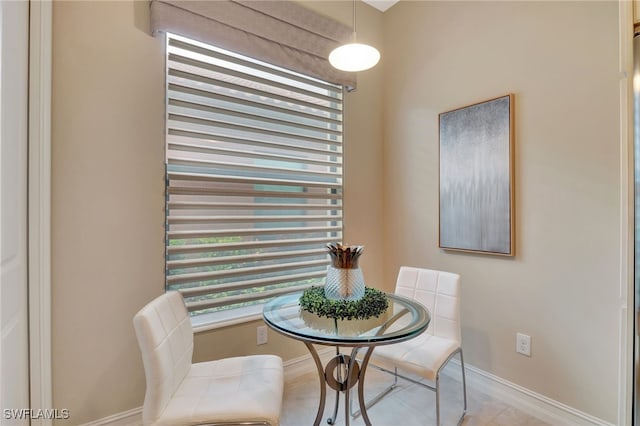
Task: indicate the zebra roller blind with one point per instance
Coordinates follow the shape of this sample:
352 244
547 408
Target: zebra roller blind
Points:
254 177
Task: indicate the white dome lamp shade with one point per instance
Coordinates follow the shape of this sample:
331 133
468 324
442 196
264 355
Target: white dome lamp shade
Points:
354 56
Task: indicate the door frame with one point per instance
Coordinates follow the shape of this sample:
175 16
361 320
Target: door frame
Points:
627 216
39 206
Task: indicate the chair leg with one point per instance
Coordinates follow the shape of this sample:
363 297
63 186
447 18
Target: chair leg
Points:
435 388
464 387
438 398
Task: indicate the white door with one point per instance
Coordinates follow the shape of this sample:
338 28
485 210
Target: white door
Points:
14 355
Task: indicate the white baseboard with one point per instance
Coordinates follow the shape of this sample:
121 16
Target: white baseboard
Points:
298 367
525 400
126 418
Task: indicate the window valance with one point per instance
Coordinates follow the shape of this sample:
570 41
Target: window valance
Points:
282 33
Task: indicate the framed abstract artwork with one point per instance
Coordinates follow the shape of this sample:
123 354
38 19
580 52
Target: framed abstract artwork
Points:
476 202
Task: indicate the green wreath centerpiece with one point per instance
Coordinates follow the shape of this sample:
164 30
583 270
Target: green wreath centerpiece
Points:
373 304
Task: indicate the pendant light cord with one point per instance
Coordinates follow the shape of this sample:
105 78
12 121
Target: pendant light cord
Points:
354 21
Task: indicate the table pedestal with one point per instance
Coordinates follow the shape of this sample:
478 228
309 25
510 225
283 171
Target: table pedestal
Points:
348 373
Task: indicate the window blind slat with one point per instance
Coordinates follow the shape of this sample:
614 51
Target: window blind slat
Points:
206 233
211 53
243 116
251 142
248 284
247 167
203 149
226 273
197 80
209 261
257 104
251 219
254 177
230 300
176 58
248 245
177 190
195 205
212 143
215 178
187 119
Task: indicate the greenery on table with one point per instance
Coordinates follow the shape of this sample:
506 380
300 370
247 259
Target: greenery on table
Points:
373 304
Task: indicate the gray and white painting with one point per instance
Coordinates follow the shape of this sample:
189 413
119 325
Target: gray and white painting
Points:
475 193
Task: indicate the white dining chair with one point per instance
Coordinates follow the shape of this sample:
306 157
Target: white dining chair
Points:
241 390
427 354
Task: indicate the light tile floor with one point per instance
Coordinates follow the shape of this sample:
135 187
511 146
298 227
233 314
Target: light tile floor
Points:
407 405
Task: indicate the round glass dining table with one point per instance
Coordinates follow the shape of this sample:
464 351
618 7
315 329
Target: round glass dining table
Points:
404 319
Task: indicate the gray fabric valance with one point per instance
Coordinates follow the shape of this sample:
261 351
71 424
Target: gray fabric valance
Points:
282 33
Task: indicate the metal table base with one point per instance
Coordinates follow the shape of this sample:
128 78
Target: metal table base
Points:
348 373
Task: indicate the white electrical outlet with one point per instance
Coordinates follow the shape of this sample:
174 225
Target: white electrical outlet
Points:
523 344
262 335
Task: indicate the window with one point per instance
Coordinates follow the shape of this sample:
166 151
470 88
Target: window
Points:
254 178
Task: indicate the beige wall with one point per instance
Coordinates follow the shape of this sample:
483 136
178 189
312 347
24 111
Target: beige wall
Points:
560 61
108 200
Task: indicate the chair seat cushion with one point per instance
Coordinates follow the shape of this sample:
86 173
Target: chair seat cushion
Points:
422 355
233 389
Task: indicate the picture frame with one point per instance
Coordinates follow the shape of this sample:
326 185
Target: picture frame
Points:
476 178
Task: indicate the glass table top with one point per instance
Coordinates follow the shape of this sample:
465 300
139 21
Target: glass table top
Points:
404 319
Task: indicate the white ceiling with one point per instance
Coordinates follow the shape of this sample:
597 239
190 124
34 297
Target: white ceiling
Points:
381 5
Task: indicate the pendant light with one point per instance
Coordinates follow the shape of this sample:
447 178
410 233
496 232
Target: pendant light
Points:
354 56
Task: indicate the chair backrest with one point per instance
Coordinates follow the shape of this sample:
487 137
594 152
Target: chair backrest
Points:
440 292
165 338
